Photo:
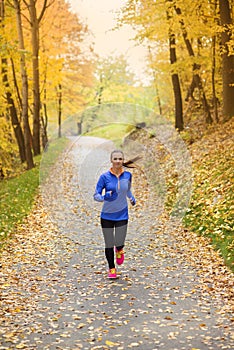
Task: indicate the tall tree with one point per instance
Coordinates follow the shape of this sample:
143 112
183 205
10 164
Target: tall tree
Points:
227 58
193 28
63 59
59 103
179 122
10 101
66 58
24 77
34 20
197 81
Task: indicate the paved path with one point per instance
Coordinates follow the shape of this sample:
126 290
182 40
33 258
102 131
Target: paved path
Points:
55 294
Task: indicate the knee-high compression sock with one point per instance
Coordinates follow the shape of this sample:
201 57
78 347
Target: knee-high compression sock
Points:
109 252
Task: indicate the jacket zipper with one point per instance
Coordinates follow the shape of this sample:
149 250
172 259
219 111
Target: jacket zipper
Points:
118 182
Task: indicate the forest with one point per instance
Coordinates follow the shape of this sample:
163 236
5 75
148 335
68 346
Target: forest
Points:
50 72
63 109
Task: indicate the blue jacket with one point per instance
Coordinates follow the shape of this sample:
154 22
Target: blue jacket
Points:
116 191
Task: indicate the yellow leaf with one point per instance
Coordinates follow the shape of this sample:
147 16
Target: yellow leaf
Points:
111 343
21 346
81 325
17 309
9 335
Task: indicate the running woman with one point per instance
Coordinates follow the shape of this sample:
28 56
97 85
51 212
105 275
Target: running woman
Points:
116 185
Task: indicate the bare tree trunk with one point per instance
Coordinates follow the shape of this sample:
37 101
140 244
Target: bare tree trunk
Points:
59 94
13 113
100 91
44 122
196 77
34 22
44 136
157 95
179 122
215 100
227 59
26 127
79 126
36 79
16 84
44 115
11 104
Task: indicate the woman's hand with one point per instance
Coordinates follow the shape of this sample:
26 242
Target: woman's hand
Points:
132 200
110 196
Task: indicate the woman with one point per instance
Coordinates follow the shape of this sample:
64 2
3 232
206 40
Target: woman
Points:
116 184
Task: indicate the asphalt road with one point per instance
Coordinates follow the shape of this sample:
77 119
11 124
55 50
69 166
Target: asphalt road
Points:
58 279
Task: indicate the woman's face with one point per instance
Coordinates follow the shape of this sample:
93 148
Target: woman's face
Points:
117 160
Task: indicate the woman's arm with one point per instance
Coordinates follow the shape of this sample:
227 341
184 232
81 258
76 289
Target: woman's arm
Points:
108 196
99 188
129 193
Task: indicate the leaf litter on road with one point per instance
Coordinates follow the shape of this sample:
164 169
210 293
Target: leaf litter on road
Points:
173 292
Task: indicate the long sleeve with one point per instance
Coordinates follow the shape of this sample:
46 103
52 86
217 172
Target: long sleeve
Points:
113 192
129 192
99 188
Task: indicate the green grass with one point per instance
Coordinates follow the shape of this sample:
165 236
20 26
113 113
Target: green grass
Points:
115 131
17 195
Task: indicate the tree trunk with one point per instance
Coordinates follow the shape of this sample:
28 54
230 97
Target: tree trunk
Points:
26 127
157 97
44 123
179 122
34 22
59 110
36 79
215 100
11 105
227 60
79 126
16 83
13 113
44 136
100 91
196 77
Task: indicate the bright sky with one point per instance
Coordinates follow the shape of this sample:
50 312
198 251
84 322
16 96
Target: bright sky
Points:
100 17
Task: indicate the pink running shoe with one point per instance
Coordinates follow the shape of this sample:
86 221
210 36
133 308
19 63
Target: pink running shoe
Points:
112 273
119 256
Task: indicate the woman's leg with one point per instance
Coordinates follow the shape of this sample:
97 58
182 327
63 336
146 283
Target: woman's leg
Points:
120 233
110 257
108 234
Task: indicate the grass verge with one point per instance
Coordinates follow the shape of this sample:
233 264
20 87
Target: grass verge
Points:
210 212
115 132
17 194
211 208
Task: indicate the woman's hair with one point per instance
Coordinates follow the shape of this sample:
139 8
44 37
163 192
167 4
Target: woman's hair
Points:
116 151
128 164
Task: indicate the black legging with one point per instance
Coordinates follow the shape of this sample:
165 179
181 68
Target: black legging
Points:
114 233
